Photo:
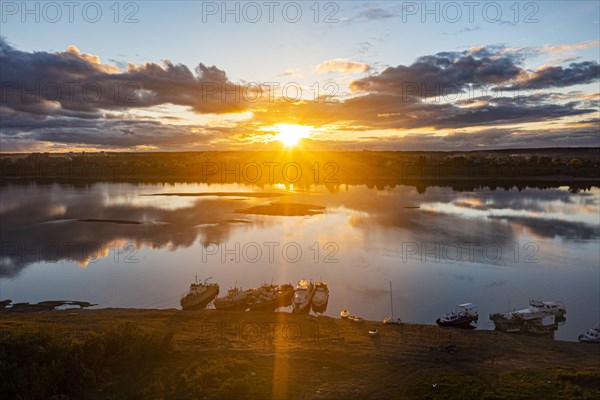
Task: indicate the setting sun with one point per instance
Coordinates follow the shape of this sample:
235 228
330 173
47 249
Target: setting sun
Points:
290 134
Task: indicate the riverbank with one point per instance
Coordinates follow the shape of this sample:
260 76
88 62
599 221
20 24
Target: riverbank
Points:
210 354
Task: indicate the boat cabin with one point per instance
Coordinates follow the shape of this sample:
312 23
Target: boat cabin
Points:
593 334
549 306
467 308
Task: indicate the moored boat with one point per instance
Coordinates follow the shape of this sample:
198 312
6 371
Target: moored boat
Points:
235 300
541 318
392 319
461 317
320 298
271 297
303 296
591 336
199 295
556 308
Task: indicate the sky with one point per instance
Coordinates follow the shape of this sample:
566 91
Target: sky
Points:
395 75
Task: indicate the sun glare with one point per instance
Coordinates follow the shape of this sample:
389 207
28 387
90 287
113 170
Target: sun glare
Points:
290 134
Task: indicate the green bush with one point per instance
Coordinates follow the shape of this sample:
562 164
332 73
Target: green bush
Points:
41 365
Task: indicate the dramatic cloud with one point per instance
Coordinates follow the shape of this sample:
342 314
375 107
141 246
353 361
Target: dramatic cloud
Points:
557 76
443 73
453 99
342 65
457 72
390 111
61 83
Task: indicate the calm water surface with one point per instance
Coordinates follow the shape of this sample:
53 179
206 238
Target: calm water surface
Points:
497 249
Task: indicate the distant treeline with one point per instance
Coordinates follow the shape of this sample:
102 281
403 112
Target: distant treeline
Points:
576 167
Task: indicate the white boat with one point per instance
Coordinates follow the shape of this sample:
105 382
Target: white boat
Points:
461 317
542 317
392 319
344 314
199 295
303 296
321 297
556 308
591 336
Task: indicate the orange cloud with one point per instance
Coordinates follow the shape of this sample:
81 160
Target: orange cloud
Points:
342 65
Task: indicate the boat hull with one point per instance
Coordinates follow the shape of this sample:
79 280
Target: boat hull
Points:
300 308
584 339
541 326
283 300
464 322
319 308
319 305
231 306
303 304
194 304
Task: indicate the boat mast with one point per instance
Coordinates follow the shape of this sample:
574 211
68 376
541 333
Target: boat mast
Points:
391 301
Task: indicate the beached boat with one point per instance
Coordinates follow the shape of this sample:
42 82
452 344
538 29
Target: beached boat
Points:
303 296
461 317
271 297
320 298
392 319
591 336
235 300
199 295
556 308
541 318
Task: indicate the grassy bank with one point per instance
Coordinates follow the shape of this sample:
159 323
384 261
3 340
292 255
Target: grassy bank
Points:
168 354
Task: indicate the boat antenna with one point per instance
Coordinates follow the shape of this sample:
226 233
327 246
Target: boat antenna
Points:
391 301
196 278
